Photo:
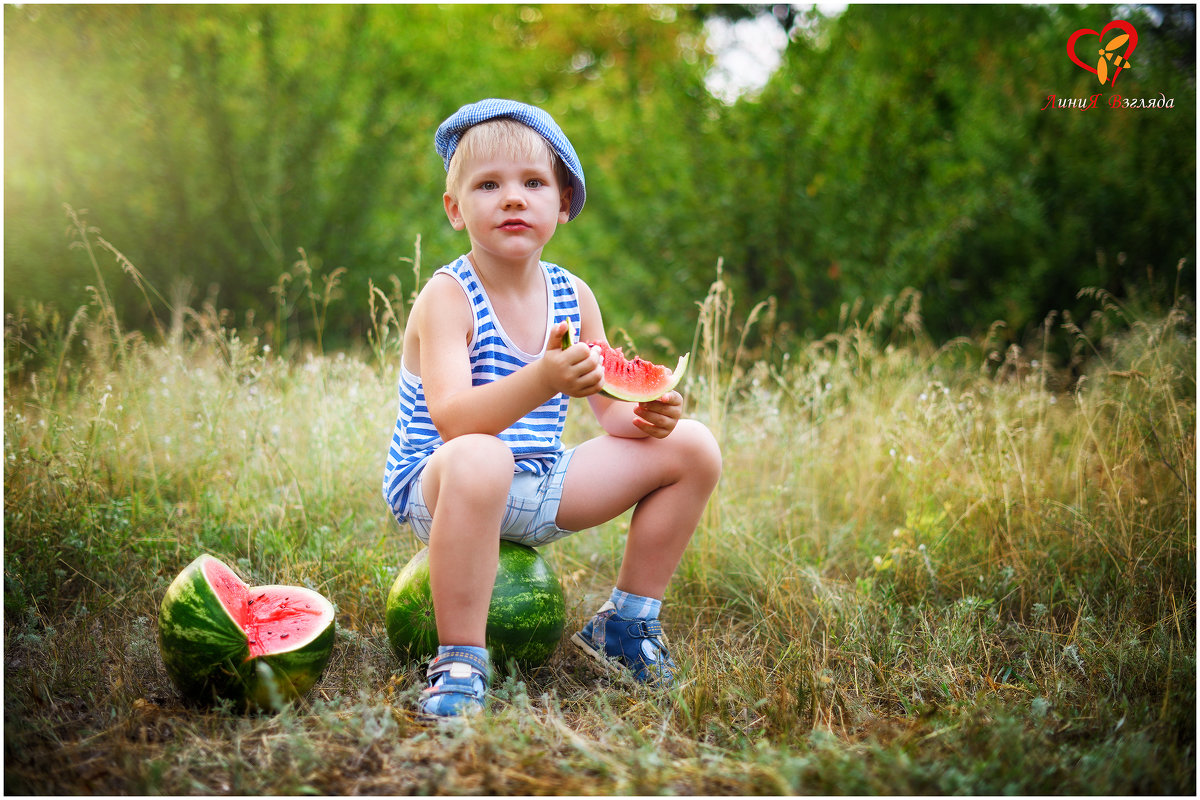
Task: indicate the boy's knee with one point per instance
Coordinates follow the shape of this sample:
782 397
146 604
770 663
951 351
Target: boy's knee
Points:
701 448
475 460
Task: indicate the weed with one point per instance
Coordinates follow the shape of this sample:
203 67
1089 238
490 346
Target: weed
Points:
921 557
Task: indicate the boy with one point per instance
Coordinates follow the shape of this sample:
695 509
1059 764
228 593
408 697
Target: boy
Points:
477 453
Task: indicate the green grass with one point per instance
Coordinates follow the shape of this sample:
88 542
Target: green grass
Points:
929 569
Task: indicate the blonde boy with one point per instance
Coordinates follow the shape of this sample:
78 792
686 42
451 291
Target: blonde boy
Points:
477 453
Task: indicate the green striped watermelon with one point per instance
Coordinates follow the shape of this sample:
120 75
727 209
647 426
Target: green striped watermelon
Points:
525 619
259 647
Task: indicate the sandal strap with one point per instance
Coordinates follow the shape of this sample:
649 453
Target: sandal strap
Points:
443 662
644 628
445 687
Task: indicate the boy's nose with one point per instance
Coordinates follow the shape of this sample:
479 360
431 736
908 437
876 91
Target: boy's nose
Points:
514 199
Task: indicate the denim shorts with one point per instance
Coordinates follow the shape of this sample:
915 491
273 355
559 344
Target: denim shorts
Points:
532 509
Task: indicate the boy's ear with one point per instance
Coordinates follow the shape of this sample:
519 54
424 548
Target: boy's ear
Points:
453 212
564 206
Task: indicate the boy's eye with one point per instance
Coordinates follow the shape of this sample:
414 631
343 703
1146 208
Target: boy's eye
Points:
489 185
534 183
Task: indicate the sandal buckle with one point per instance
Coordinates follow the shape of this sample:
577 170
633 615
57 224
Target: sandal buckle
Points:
460 669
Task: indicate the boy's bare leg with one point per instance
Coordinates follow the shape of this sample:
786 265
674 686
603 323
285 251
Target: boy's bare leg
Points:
669 480
474 473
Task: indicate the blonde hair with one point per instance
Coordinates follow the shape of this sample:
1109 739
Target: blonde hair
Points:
503 137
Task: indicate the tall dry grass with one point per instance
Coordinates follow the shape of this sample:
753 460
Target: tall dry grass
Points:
920 556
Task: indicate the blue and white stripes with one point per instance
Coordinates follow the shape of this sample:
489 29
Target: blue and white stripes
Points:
535 439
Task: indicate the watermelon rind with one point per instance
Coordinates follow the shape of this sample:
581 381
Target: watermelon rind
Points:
207 654
408 616
202 647
526 615
528 610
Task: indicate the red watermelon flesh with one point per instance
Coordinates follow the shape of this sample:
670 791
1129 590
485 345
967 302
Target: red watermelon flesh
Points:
637 380
270 616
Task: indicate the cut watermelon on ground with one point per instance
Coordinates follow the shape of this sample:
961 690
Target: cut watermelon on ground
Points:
637 380
525 619
258 647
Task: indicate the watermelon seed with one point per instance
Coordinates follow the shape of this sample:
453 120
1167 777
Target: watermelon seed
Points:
285 636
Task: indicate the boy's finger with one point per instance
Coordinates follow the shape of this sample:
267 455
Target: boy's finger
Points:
560 336
650 428
669 399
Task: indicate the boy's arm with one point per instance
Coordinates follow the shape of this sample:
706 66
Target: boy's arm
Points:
444 326
619 417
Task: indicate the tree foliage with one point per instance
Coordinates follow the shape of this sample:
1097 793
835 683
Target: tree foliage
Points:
895 146
914 151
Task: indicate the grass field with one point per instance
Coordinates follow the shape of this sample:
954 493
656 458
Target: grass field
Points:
949 568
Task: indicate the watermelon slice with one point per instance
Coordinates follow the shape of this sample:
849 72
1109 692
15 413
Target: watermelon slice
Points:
259 647
639 380
526 616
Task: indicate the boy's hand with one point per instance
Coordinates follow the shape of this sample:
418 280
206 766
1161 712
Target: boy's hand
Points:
576 371
658 417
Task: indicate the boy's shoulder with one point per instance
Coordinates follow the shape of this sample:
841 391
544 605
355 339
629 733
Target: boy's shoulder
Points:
458 266
457 271
446 286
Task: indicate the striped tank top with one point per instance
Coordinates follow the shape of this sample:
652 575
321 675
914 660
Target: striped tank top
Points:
535 439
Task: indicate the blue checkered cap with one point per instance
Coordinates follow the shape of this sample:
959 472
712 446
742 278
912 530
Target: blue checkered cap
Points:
450 133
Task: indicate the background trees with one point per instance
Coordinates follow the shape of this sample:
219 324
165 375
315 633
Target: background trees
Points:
895 146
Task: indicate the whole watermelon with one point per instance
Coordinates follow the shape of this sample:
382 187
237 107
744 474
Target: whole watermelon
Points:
525 619
259 647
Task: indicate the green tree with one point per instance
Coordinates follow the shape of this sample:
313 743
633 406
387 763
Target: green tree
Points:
211 143
906 146
895 146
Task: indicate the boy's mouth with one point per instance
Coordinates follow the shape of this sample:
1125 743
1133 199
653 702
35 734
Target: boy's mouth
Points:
513 225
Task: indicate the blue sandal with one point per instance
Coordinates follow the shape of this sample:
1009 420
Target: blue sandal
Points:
458 681
636 646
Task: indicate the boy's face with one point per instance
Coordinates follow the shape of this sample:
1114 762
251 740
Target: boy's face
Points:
509 206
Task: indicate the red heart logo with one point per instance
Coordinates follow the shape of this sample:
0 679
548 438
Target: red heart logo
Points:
1116 23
